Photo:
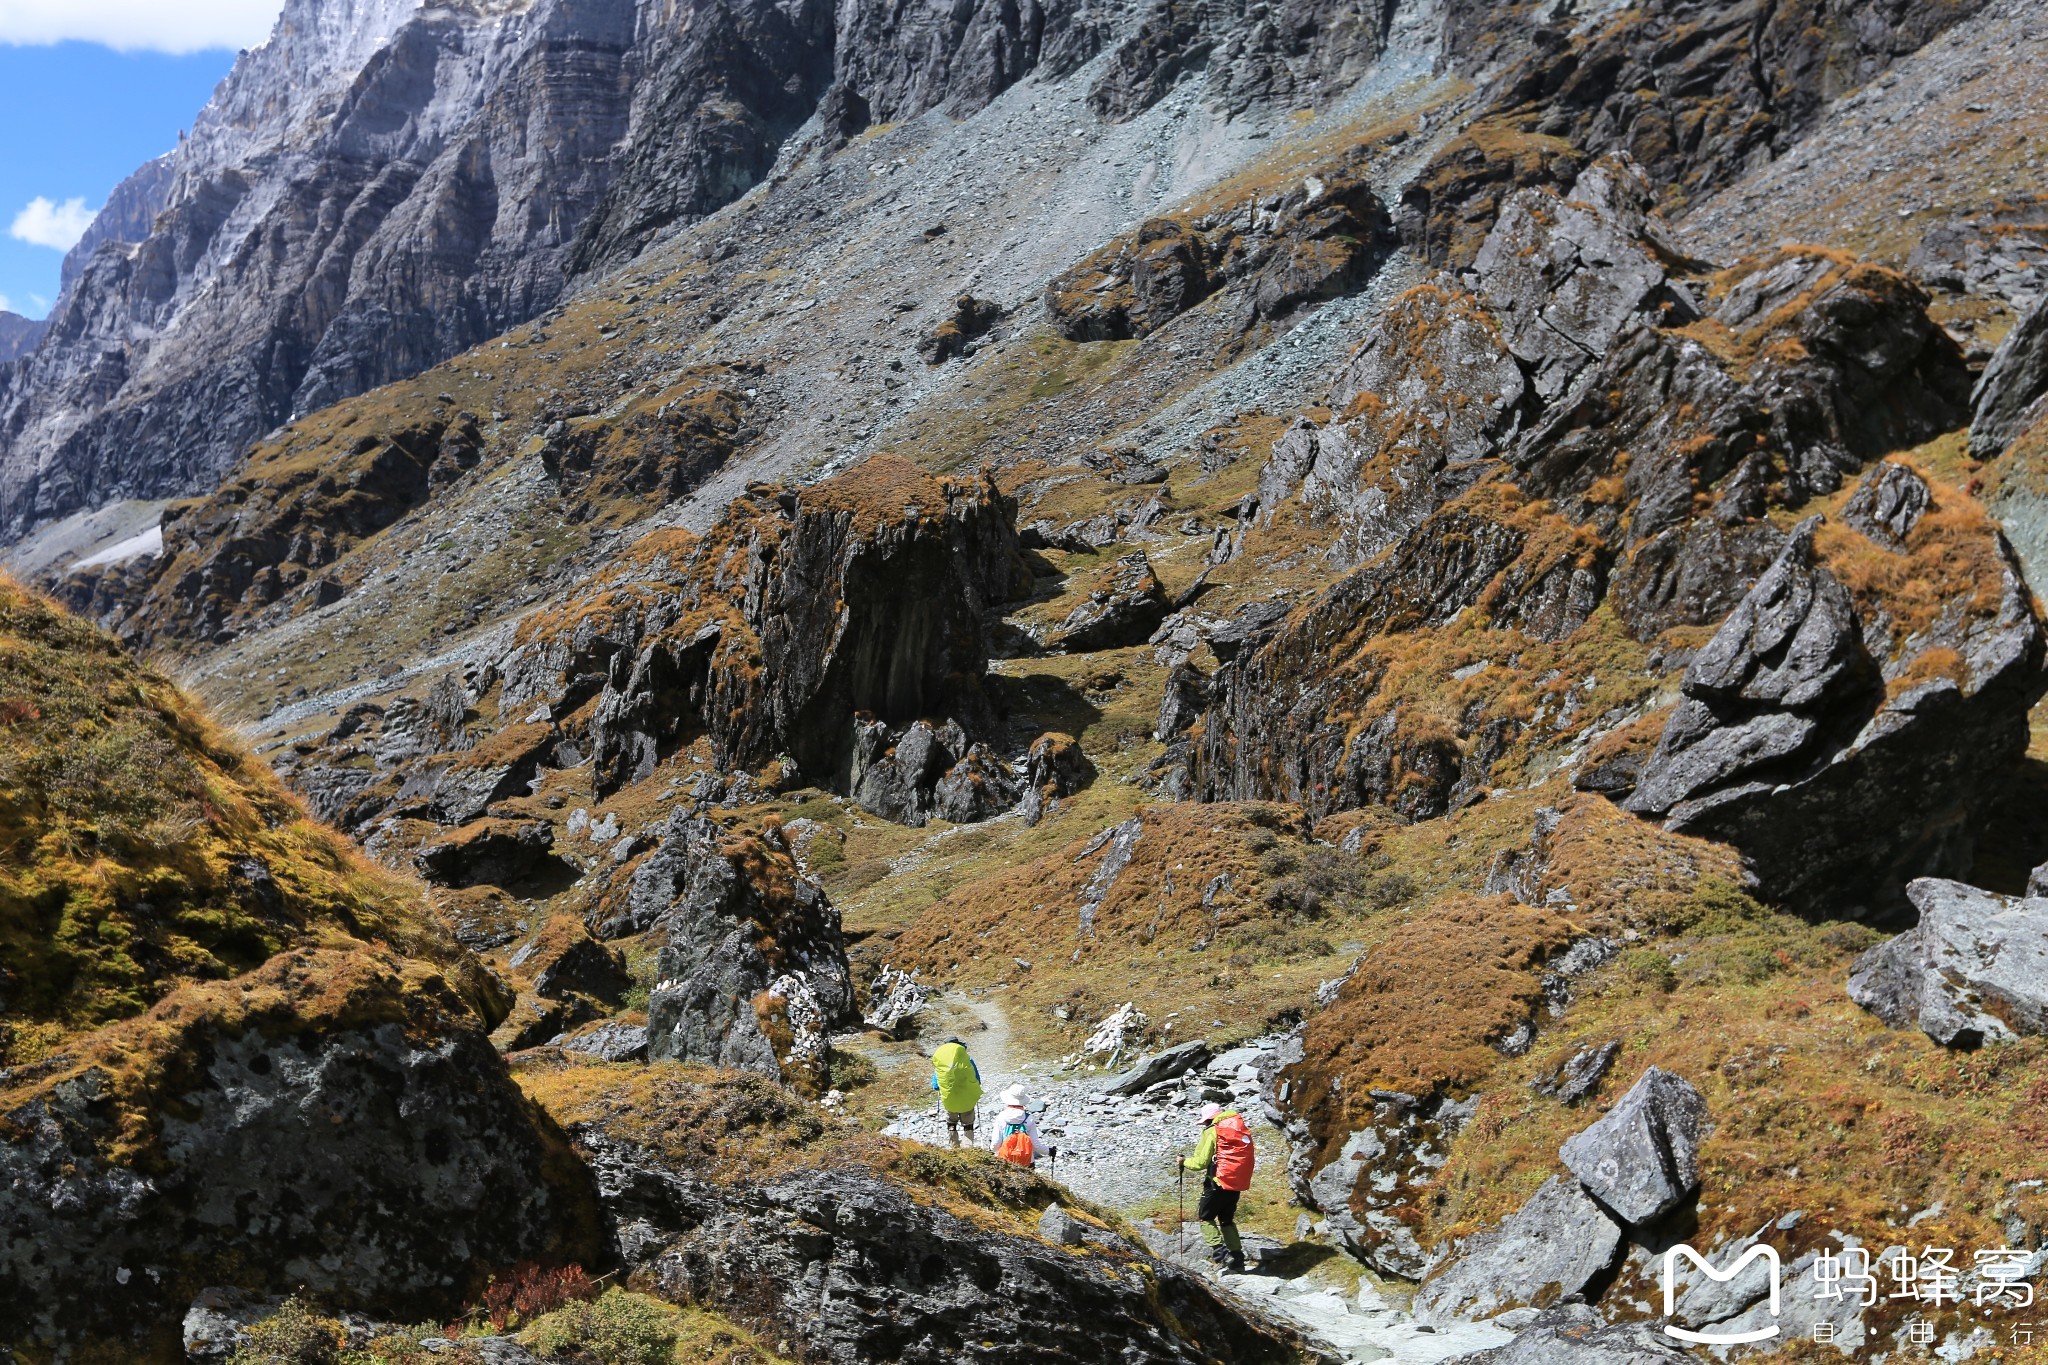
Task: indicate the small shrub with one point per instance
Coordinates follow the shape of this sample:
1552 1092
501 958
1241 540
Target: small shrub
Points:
403 1348
1715 906
618 1327
1850 938
1389 889
1648 968
294 1335
530 1291
852 1070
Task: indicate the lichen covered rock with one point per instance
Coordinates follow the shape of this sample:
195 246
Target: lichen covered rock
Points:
753 971
1973 970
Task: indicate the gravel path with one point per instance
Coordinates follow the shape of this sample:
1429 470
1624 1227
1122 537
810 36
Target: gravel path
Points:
1117 1151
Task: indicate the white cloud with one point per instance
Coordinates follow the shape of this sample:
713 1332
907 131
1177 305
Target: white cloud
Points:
137 25
59 226
5 305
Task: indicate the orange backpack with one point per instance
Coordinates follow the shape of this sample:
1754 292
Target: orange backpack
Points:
1234 1154
1016 1145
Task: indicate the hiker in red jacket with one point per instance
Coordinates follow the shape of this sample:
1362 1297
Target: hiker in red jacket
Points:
1224 1156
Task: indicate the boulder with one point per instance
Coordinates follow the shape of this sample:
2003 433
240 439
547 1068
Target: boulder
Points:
534 1019
614 1041
753 973
924 770
894 1002
1580 1074
1888 504
328 1123
1125 604
1577 1335
1641 1159
967 321
1538 1256
1973 971
577 964
978 787
492 851
1160 1066
2009 395
1054 767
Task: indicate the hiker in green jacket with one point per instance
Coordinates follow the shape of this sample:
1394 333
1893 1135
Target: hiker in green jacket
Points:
1224 1156
958 1081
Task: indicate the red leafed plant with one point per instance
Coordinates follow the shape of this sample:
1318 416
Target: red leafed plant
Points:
529 1290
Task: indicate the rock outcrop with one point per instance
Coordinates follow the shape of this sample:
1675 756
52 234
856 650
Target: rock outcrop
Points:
1419 407
863 1250
1593 426
925 1284
753 970
1641 1158
1379 1082
1316 241
1632 1166
370 1150
1125 604
831 635
1974 970
1055 767
268 1068
1695 91
802 620
1793 741
2010 394
1540 1255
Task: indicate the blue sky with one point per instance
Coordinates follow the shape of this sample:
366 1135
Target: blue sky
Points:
89 90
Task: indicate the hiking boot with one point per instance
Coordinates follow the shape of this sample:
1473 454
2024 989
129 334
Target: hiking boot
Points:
1233 1261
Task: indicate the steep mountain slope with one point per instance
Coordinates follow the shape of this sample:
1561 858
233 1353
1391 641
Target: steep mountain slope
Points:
209 1001
1448 537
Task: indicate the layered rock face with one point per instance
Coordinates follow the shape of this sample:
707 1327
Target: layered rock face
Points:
804 618
1792 737
233 1053
1592 436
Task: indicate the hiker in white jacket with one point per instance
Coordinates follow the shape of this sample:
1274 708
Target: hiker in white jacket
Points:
1016 1118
